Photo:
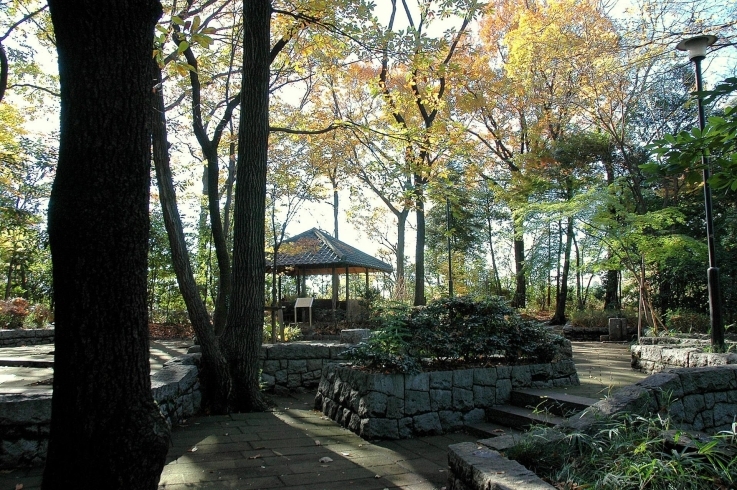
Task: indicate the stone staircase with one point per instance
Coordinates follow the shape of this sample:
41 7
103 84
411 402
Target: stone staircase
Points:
528 407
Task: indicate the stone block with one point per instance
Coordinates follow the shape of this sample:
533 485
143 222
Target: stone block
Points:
484 376
355 423
271 366
441 400
394 408
416 402
405 427
389 384
484 396
25 408
521 376
441 380
268 381
427 424
474 416
450 420
293 381
372 404
314 365
463 378
462 399
297 366
378 429
417 382
503 391
706 379
281 377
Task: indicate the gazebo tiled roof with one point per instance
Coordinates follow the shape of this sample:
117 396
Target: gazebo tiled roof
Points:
315 252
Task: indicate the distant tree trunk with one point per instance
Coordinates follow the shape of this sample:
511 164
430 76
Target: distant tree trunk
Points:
214 374
400 288
520 292
559 318
106 430
420 244
241 339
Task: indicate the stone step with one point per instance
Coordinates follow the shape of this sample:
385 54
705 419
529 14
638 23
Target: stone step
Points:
485 430
520 418
561 404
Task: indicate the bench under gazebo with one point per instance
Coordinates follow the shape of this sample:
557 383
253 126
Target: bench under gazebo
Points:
315 252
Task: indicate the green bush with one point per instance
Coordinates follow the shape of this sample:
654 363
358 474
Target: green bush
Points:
453 330
684 321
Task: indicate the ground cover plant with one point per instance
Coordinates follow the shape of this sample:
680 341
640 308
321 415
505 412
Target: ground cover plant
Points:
450 332
631 451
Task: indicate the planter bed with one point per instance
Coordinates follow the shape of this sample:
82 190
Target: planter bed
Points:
400 406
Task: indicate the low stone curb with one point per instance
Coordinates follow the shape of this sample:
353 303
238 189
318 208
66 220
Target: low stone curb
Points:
19 337
657 355
475 467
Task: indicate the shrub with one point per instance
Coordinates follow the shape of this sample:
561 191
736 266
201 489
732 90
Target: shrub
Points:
39 316
13 312
629 451
451 330
685 321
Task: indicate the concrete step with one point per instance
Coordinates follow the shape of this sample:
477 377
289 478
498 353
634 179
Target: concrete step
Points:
560 404
520 418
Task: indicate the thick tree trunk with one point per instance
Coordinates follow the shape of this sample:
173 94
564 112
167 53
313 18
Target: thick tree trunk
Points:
559 318
106 430
242 337
214 375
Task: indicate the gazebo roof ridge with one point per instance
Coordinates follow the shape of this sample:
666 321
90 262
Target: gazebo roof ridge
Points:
319 253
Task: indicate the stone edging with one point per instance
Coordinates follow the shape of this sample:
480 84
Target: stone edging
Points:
19 337
296 365
25 417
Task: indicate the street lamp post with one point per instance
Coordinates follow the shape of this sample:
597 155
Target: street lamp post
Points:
696 48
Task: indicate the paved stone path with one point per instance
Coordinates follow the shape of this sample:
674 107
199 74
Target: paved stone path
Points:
282 449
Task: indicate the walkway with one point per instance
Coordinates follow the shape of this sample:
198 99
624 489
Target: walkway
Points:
285 448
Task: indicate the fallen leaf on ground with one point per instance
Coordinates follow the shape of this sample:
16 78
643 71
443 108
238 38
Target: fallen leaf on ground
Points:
254 457
318 443
194 448
346 454
326 459
19 486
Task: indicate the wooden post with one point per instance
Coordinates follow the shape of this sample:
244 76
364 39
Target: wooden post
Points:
346 289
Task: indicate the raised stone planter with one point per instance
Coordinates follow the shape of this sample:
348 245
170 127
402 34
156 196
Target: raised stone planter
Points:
19 337
25 417
399 406
655 355
296 365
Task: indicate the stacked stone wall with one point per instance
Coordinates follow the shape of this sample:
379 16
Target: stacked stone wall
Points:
655 355
20 337
296 365
399 406
25 417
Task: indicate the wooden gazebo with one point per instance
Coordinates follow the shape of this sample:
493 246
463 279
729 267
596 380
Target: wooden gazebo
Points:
315 252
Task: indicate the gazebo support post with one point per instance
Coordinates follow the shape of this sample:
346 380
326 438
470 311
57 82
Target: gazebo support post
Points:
346 289
336 279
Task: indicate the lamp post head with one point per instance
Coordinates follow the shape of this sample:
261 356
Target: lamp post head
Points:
696 46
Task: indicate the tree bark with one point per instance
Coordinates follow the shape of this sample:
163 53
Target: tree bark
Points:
520 292
241 339
559 318
420 250
106 430
214 374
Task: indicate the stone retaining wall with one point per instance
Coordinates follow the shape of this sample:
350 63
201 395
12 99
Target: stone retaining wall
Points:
296 365
702 399
25 417
657 355
19 337
398 406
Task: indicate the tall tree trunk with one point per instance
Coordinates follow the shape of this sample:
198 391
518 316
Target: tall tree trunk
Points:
241 340
214 374
520 292
420 244
400 288
559 318
106 430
